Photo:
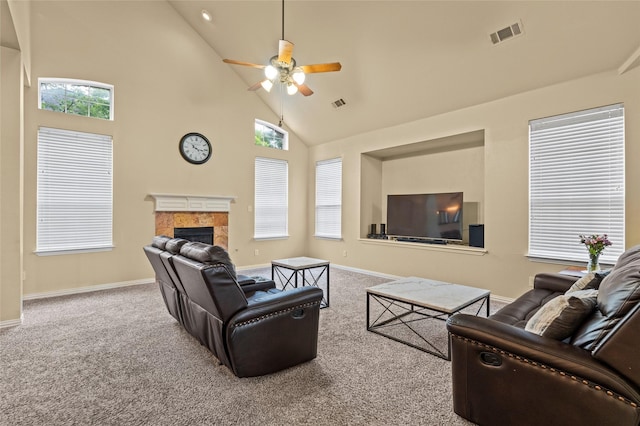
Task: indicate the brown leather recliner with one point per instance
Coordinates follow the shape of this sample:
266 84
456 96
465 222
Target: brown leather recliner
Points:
160 254
504 375
251 332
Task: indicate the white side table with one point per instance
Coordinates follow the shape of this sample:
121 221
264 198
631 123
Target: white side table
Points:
310 271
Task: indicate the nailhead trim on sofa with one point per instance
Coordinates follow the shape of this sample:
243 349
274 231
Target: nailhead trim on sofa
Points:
550 369
273 314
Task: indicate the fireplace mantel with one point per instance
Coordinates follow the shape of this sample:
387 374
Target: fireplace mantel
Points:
192 203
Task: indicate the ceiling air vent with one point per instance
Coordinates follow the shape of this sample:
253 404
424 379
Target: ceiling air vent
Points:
339 103
506 33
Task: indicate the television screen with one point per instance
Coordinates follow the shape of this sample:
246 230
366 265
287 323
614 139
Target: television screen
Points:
435 216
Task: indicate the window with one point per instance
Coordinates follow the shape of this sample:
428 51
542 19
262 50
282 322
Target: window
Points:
271 136
576 183
271 200
78 97
75 191
329 198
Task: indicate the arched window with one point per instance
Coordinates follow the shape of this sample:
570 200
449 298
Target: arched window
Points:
78 97
271 136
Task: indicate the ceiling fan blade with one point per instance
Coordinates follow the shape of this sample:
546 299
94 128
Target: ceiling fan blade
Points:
256 86
304 89
246 64
329 67
285 50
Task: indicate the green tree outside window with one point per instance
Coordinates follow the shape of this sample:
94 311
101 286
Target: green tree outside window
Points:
270 136
76 98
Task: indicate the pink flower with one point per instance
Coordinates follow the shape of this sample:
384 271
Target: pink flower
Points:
595 243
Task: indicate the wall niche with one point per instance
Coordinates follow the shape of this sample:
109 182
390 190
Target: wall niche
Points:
449 164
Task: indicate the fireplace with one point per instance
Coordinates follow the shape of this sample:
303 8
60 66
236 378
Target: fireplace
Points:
203 234
194 212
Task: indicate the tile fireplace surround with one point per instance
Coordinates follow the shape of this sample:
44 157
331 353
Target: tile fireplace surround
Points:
192 211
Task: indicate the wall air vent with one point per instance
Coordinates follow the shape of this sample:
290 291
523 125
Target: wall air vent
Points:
339 103
513 30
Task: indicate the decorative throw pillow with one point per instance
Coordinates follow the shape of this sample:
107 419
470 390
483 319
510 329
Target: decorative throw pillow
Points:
560 317
590 281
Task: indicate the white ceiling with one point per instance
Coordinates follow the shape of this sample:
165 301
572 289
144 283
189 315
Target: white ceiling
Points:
406 60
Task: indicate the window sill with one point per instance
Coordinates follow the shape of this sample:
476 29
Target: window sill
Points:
281 237
566 262
449 248
325 237
72 251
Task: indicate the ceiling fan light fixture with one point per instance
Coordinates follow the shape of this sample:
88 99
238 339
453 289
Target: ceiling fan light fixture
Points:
298 76
267 85
270 72
281 69
206 15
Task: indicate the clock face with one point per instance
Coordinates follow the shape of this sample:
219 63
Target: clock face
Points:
195 148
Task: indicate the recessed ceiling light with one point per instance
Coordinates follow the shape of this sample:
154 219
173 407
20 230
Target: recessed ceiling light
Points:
206 15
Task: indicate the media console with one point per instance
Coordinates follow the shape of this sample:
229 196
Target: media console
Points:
450 246
420 240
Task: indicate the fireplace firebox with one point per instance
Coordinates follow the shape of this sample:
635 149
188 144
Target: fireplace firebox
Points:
203 234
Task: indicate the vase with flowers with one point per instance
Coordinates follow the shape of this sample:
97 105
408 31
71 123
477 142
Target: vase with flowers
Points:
595 245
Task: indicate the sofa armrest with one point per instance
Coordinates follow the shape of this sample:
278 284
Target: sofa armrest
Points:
567 359
252 284
270 303
502 374
554 282
245 279
276 331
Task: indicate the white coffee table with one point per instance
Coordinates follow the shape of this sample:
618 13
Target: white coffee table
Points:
412 299
309 269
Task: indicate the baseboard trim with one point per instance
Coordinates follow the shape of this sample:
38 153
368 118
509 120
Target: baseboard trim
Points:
502 299
333 265
245 268
11 323
499 299
87 289
367 272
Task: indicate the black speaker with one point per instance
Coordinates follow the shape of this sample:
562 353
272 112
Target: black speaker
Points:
383 229
476 235
373 229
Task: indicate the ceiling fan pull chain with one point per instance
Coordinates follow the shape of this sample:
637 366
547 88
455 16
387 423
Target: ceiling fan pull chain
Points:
281 105
282 19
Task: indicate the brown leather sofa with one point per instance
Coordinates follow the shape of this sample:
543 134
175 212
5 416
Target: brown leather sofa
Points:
168 289
505 375
253 328
160 254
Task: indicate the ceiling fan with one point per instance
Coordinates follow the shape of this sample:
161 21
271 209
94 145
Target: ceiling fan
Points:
283 69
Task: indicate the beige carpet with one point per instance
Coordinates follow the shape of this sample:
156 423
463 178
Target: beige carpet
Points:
116 357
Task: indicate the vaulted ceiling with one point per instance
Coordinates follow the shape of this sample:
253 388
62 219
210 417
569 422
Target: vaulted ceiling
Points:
406 60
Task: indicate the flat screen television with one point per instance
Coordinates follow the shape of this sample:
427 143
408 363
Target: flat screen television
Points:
425 216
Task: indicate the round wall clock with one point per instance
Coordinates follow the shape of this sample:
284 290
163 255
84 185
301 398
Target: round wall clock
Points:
195 148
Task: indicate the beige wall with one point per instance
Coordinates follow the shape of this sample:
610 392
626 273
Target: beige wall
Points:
505 268
167 82
10 186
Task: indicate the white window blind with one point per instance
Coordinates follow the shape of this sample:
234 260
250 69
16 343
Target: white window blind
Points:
329 198
577 183
75 191
271 199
